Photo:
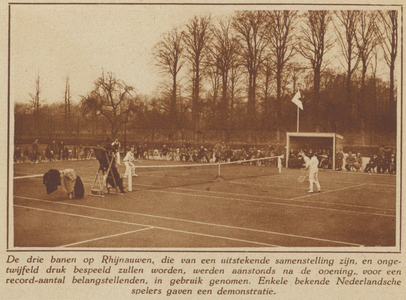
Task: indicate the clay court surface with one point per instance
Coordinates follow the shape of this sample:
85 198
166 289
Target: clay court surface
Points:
186 208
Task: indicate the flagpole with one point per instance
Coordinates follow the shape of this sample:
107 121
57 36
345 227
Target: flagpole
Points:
296 100
298 119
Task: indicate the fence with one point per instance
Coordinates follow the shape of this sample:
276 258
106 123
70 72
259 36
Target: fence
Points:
92 130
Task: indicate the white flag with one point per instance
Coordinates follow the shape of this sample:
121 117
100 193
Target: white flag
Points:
296 100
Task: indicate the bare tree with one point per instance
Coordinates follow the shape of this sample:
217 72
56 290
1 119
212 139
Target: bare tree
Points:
234 88
169 55
67 106
250 28
36 103
197 38
111 98
374 127
296 73
214 77
367 40
389 42
280 27
223 53
268 74
313 45
347 40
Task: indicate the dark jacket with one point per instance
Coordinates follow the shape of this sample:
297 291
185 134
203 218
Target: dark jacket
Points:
52 179
79 190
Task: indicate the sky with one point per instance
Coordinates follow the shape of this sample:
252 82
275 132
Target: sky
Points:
57 41
80 41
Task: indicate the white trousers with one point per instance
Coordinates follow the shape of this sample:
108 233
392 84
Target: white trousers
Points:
314 178
129 166
118 157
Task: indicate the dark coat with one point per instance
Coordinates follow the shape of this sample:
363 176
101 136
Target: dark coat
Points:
52 179
79 190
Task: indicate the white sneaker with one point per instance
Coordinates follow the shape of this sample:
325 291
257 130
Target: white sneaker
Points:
135 175
125 176
310 191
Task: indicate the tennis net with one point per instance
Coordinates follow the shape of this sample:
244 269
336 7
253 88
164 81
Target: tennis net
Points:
169 173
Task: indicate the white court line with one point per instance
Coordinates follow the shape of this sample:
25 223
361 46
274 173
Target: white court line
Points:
274 203
156 227
231 181
333 181
105 237
75 215
331 191
267 197
285 199
350 181
189 221
295 179
20 172
28 176
40 175
273 186
381 184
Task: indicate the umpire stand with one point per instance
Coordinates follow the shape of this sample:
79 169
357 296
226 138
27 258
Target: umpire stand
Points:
104 174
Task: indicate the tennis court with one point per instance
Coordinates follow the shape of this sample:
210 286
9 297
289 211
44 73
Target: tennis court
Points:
250 206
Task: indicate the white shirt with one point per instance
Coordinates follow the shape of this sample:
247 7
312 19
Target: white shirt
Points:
116 144
129 157
313 165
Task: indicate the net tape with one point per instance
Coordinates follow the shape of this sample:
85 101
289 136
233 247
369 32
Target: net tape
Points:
278 158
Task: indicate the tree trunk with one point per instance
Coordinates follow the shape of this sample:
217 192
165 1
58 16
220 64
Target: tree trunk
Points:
224 105
173 104
316 92
251 107
392 102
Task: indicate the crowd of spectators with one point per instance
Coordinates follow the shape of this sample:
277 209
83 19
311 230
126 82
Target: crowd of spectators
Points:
219 152
384 161
53 152
297 159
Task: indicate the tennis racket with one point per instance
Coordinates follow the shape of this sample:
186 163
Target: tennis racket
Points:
302 176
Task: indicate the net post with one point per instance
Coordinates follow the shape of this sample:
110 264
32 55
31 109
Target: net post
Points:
130 179
219 173
280 164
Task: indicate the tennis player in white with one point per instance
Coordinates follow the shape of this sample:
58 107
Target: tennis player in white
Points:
128 162
312 166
